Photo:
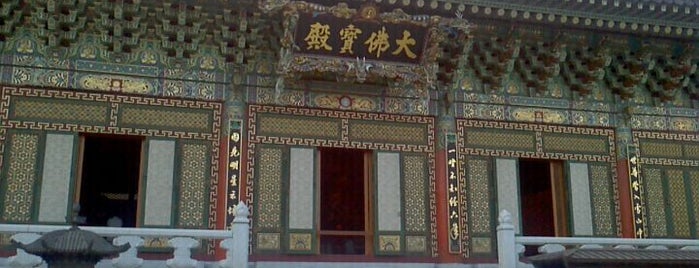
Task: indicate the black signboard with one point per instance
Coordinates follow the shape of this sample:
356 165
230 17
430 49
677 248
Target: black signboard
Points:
636 185
233 171
453 204
327 35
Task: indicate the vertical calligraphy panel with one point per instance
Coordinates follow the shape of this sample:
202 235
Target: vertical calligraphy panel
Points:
453 197
233 168
638 204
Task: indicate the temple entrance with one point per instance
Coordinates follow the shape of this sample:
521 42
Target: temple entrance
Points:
109 179
544 198
344 201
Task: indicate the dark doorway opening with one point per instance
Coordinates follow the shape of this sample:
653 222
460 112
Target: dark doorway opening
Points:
344 203
110 172
543 197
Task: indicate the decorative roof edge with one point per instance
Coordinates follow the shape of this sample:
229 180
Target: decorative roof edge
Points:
581 18
553 15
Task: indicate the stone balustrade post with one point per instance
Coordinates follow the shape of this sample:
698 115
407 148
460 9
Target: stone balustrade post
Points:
507 253
129 258
182 257
24 259
237 247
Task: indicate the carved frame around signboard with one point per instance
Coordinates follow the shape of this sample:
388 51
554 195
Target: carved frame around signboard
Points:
420 71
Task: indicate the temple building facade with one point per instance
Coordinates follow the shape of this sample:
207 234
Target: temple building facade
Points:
383 131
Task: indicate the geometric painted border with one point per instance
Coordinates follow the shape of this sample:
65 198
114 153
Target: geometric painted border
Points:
114 105
344 141
341 126
536 147
675 138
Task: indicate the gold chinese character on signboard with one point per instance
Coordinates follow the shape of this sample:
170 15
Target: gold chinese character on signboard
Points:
378 42
403 45
454 231
317 37
234 180
452 162
453 201
234 152
235 137
234 165
348 35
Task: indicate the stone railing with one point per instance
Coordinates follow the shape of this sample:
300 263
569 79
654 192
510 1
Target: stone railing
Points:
235 242
510 246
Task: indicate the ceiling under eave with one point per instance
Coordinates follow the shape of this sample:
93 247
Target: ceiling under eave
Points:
662 18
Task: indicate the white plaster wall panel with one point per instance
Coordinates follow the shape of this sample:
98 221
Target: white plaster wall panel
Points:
159 182
55 182
508 188
388 191
580 199
301 188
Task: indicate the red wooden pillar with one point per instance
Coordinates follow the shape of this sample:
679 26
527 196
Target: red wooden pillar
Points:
624 190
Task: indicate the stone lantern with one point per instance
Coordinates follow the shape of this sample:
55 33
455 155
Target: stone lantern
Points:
74 248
